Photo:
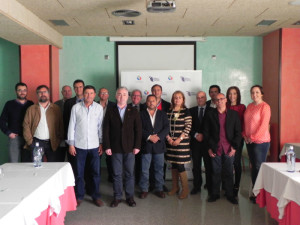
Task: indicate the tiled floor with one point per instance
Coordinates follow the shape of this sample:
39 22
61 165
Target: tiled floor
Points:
171 211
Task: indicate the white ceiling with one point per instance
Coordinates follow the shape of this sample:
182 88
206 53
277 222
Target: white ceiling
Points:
191 18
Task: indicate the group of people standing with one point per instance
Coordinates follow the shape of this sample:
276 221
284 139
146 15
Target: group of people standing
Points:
139 138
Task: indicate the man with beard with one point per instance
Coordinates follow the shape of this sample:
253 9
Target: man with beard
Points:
43 124
11 123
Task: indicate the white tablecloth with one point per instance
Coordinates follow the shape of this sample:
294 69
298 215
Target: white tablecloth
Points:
283 185
296 149
26 191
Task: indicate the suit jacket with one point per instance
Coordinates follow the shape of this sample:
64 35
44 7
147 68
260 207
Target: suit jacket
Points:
67 114
54 122
197 126
122 137
212 129
161 128
165 105
142 106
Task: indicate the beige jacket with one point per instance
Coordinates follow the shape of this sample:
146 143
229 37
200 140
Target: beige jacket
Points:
54 122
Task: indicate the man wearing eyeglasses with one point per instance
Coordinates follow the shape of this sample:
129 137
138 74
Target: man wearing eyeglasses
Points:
11 123
222 130
43 124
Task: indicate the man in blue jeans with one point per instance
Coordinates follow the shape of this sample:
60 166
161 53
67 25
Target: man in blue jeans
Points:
122 133
84 139
155 127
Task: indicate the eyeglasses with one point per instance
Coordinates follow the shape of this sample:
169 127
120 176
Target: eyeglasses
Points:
220 99
103 93
42 92
19 90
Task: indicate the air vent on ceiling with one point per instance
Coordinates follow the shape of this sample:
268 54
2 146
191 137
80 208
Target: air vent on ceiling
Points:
266 22
297 23
126 13
59 22
128 22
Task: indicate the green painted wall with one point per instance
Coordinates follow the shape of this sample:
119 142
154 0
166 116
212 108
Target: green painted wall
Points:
238 62
83 58
9 76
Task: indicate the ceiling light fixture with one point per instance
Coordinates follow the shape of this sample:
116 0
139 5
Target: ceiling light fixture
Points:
126 13
128 22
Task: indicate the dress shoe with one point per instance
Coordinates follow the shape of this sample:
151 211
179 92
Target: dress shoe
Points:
143 194
213 198
131 202
232 200
253 199
98 202
165 189
115 203
78 202
160 194
195 191
235 192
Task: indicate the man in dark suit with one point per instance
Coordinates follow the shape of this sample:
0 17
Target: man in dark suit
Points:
106 104
136 97
122 134
222 130
214 90
162 105
199 146
155 127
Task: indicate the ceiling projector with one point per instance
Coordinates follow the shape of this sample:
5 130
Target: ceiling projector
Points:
161 6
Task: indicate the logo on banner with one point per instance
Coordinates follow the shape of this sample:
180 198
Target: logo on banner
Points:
191 93
185 79
139 77
153 79
146 92
170 78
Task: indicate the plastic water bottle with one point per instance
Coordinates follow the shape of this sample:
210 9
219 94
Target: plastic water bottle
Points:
37 155
290 159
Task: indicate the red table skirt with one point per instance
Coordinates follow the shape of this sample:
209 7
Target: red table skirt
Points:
291 211
67 202
283 159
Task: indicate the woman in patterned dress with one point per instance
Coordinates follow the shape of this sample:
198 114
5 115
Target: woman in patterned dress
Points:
178 146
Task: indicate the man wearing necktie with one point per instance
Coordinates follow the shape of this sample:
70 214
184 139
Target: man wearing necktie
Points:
198 144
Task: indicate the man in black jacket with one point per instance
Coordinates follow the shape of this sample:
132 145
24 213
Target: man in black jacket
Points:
199 145
155 127
222 130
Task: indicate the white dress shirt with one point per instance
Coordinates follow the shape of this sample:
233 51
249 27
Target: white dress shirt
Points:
85 127
42 130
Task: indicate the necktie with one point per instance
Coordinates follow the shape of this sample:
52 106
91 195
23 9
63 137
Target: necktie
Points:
201 114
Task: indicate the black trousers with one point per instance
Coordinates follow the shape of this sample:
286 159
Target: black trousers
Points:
200 152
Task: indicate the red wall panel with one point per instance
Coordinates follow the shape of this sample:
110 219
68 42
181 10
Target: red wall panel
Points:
40 65
290 86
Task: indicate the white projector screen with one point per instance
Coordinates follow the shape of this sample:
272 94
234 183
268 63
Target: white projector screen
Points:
155 56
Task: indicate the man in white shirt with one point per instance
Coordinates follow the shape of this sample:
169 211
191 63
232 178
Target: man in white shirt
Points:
85 143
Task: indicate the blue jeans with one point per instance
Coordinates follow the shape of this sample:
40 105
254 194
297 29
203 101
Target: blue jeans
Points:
257 155
15 146
158 167
123 162
89 157
222 167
